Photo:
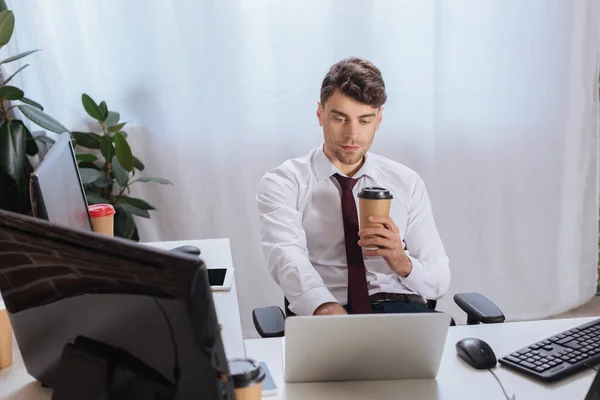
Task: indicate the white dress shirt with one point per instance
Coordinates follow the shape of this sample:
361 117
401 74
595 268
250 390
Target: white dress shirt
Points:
302 232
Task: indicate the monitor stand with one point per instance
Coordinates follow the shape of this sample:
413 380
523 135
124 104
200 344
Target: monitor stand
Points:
90 369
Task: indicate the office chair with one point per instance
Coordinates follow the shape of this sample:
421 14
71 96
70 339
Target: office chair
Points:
270 321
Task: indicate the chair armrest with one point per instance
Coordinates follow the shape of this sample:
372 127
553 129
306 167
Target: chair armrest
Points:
478 308
269 321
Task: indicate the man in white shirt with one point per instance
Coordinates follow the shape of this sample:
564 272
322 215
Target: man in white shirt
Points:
308 234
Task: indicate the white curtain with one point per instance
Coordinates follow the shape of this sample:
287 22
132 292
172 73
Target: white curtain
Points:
493 102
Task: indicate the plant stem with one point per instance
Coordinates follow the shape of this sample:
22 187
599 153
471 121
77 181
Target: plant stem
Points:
3 105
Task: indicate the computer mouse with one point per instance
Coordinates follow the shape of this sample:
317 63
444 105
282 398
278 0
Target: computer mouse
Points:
193 250
477 353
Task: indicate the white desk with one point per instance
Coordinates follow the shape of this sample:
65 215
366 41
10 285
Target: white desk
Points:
456 379
217 253
17 384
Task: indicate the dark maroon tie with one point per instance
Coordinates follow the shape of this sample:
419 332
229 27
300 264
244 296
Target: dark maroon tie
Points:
358 293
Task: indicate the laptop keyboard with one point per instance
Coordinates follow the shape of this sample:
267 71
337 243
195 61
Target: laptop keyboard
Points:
558 356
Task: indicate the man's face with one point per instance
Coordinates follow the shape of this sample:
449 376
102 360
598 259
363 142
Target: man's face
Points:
348 128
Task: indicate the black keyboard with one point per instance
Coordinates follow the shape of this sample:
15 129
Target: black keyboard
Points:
560 355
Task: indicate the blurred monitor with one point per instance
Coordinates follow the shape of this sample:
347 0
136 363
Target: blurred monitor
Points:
102 317
57 194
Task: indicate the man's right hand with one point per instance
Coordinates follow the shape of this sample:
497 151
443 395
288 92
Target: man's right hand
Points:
330 309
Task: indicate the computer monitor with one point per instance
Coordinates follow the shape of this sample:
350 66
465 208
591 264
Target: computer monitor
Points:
57 194
106 313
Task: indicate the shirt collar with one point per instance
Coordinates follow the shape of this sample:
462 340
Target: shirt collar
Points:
324 168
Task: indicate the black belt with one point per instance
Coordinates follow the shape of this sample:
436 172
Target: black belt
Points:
406 298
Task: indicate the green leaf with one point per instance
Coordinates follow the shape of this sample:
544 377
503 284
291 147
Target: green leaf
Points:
120 174
124 224
162 181
93 198
103 183
11 93
138 164
18 56
112 118
7 26
104 109
42 119
13 75
45 139
106 147
86 157
123 151
92 108
31 146
118 127
12 149
89 175
138 203
89 140
133 210
3 5
32 103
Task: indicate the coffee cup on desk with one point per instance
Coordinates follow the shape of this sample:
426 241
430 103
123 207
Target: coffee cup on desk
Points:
5 338
102 216
247 377
373 201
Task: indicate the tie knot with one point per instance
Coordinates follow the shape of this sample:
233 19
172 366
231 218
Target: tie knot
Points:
345 182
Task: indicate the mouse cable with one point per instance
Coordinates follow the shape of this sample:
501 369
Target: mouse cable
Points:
502 386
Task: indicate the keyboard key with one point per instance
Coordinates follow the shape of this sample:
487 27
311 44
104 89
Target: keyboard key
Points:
574 345
530 360
545 366
552 363
515 354
546 342
565 340
512 359
527 365
548 348
534 352
561 335
523 351
538 363
529 354
539 369
536 358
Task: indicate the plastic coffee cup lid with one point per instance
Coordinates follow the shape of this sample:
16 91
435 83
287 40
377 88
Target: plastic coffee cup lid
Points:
375 193
101 210
245 372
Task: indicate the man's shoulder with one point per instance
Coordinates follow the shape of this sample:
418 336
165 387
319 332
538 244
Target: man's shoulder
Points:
291 170
393 169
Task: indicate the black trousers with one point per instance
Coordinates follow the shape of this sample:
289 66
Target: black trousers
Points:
395 307
399 307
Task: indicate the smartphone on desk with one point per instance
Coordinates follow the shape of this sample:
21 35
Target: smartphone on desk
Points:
269 388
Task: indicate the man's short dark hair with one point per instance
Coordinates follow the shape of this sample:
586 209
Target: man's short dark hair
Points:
356 78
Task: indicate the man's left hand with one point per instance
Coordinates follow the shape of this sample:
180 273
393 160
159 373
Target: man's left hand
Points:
387 239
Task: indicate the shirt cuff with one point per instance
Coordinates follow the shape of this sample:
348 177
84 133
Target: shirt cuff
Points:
416 276
308 302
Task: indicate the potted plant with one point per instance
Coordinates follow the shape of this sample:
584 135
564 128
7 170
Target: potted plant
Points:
108 168
16 141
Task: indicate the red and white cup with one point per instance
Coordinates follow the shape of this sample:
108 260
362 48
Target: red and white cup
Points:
103 220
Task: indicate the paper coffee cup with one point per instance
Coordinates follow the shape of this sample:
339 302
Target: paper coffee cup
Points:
5 338
247 378
373 201
102 216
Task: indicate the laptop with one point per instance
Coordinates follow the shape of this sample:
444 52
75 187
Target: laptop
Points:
364 347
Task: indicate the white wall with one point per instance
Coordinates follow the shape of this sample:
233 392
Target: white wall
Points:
493 103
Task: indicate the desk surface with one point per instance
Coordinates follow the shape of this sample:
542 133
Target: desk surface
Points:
17 384
455 380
